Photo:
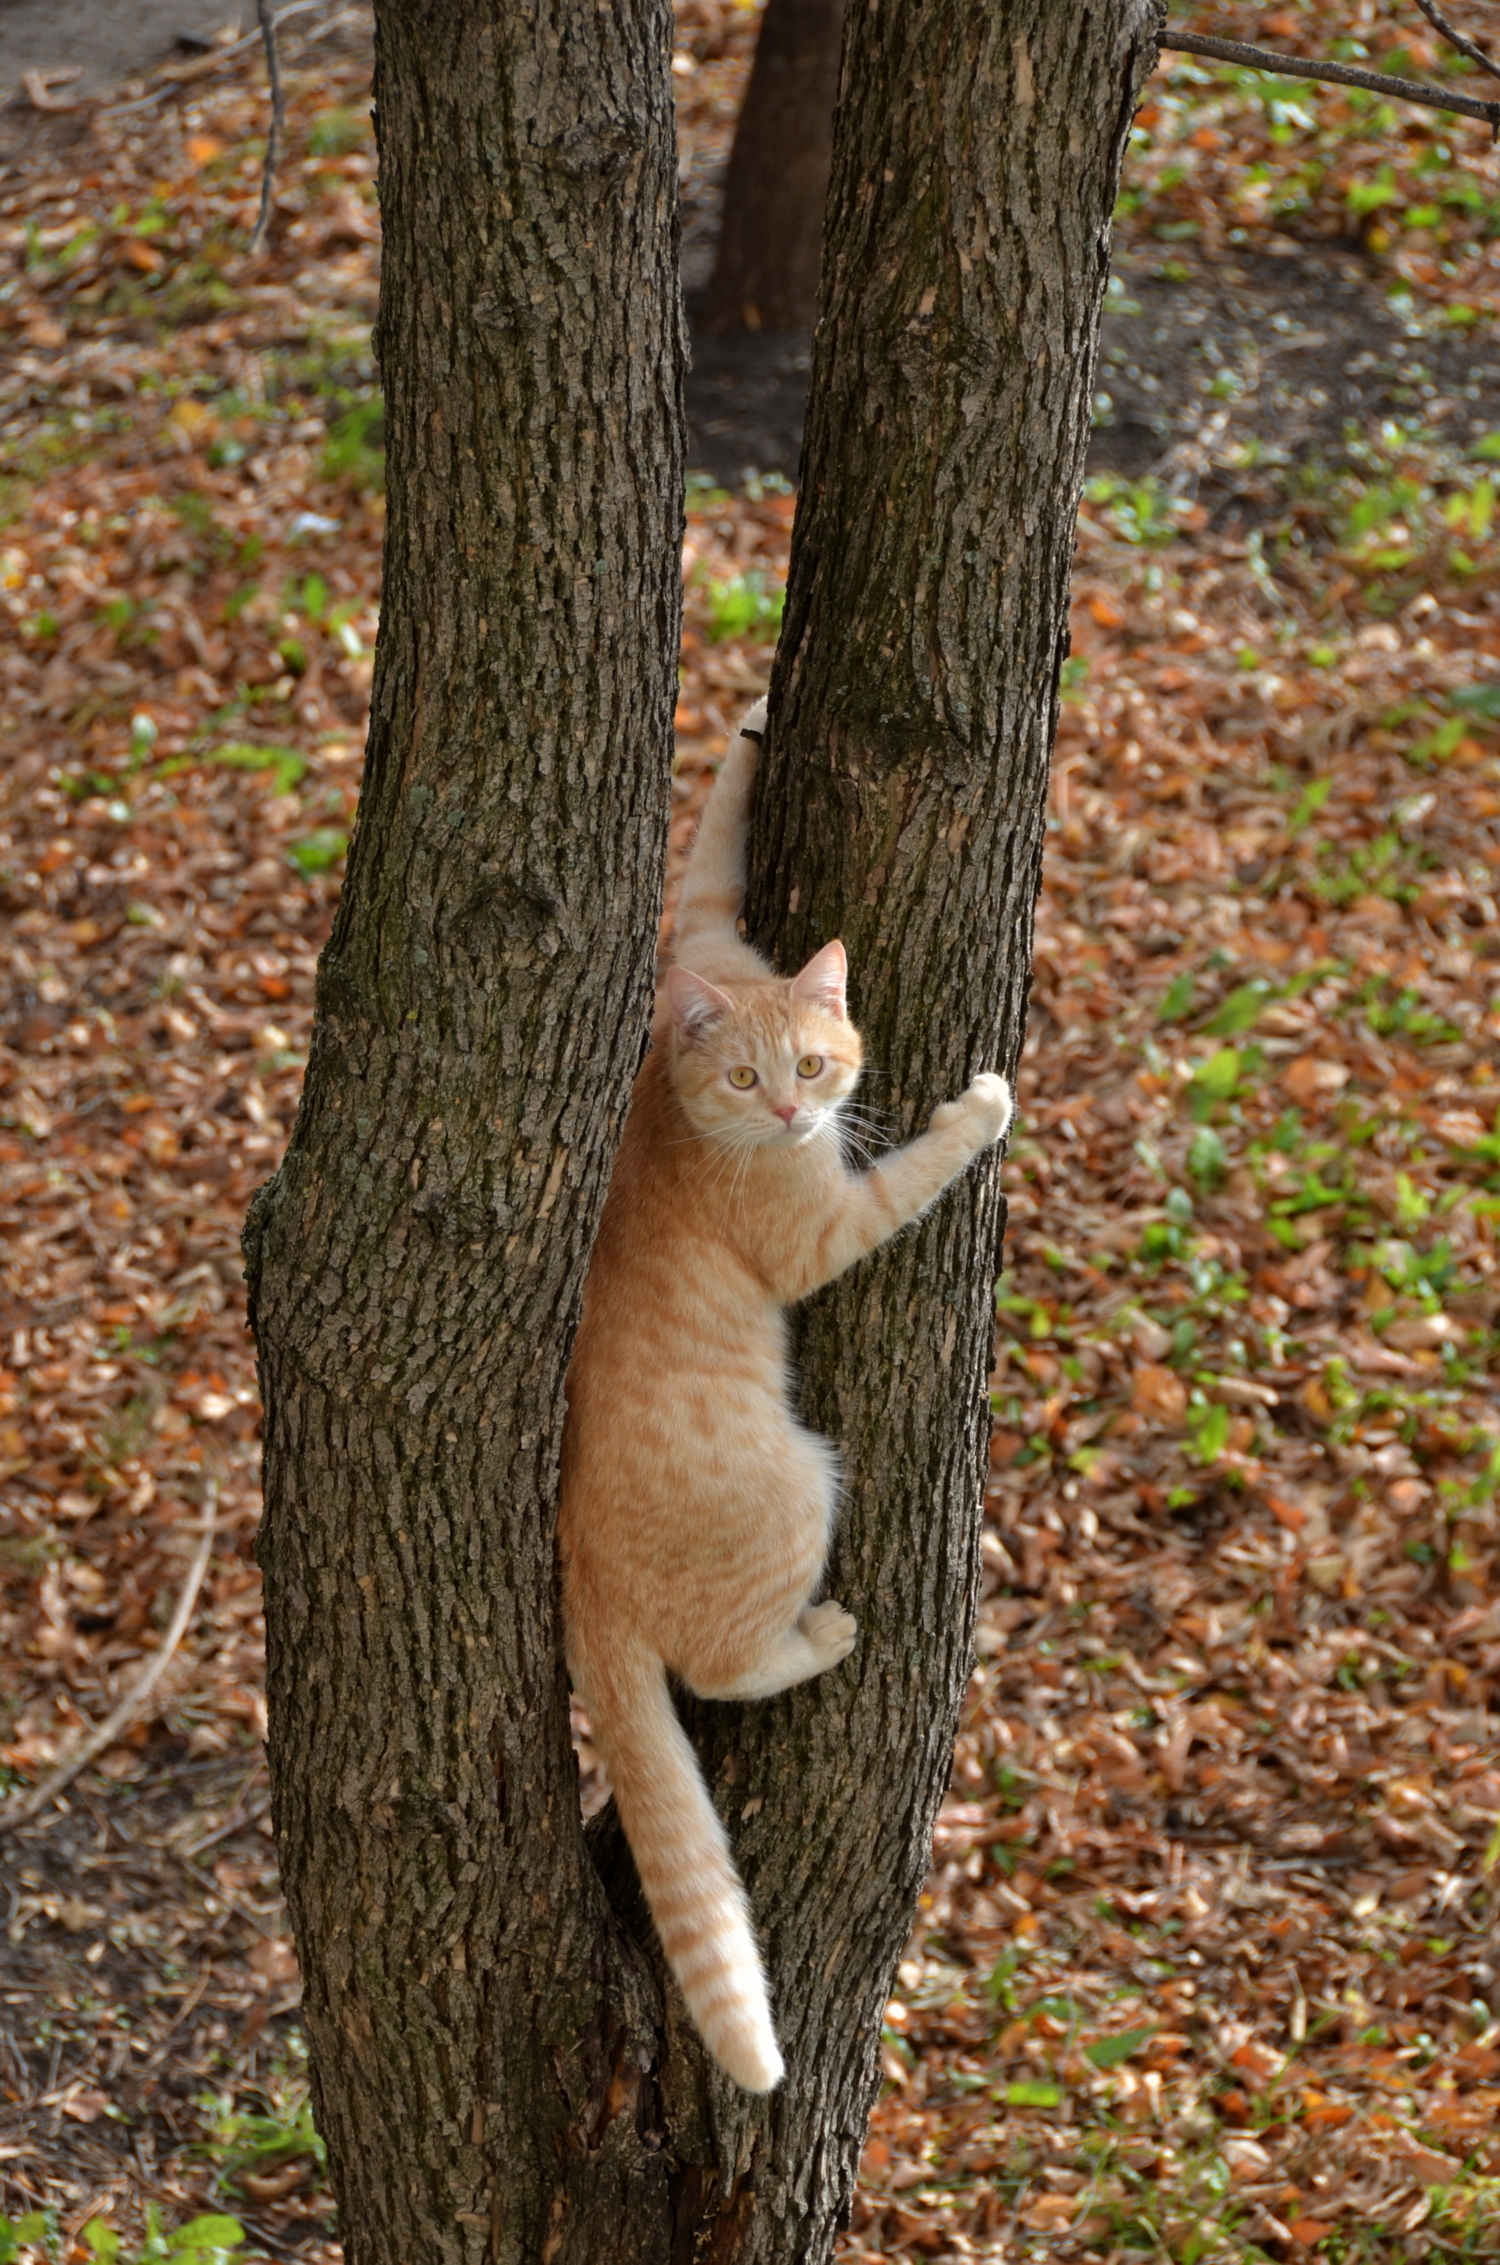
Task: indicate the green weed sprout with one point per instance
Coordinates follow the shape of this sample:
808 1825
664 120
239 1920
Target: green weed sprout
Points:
202 2241
16 2234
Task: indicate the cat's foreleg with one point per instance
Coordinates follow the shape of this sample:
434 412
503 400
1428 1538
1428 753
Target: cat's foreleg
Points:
901 1186
713 890
818 1639
879 1203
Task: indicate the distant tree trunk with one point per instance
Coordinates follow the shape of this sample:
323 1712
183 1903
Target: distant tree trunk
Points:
771 236
500 2070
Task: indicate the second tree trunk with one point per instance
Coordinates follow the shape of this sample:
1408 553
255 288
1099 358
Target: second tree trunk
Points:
900 805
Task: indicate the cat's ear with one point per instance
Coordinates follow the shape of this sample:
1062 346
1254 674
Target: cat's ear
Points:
696 1005
823 980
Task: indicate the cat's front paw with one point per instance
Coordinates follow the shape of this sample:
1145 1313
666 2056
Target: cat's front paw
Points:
754 725
989 1102
983 1109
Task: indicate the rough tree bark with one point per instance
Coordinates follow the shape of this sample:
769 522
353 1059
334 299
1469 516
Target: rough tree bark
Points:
771 236
502 2076
417 1263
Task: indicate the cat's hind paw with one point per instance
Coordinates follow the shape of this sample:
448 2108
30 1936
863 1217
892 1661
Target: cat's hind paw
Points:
830 1630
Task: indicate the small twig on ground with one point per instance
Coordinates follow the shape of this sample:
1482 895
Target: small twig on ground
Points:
1340 74
1456 39
278 122
29 1805
39 85
236 1823
240 1813
189 2005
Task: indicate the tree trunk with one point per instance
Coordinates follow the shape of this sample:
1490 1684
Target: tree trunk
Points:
417 1263
501 2075
900 805
771 236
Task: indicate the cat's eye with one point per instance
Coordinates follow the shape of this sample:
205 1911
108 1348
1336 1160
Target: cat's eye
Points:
744 1077
810 1065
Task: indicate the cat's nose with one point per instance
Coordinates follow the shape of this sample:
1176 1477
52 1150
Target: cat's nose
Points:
787 1111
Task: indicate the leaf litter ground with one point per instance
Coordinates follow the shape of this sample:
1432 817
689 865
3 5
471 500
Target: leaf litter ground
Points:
1207 1963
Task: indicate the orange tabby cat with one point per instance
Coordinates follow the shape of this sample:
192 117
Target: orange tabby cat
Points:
696 1509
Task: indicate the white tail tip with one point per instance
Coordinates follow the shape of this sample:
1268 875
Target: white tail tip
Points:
746 2050
728 2003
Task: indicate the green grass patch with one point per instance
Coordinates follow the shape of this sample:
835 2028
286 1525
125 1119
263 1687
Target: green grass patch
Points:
285 765
205 2240
743 607
354 452
319 851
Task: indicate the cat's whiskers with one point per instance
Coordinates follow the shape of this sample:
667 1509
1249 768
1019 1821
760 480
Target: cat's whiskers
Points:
878 1120
862 1133
717 1161
727 1156
747 1149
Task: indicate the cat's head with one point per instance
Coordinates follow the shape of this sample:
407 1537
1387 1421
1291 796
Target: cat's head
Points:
766 1063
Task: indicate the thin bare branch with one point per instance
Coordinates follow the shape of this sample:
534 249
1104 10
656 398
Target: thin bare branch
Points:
1340 74
29 1805
1457 39
278 124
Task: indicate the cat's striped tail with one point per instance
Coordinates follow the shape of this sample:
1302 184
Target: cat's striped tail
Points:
682 1855
713 888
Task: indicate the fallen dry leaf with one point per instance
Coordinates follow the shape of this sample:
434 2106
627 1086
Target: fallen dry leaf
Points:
1159 1392
86 2106
1312 1078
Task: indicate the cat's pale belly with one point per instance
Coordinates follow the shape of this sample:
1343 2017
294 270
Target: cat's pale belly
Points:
735 1459
693 1497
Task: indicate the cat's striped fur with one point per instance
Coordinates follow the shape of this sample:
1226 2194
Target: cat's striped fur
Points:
696 1509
